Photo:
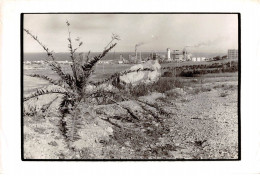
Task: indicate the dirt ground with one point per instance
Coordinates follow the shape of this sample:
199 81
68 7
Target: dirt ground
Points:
203 124
206 124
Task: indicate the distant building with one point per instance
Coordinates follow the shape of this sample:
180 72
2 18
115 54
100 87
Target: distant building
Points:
181 55
186 55
177 55
122 60
199 59
168 54
232 54
105 61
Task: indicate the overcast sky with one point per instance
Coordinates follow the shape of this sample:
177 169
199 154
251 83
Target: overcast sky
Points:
205 32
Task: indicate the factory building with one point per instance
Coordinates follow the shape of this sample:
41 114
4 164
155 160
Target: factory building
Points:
181 55
232 54
177 55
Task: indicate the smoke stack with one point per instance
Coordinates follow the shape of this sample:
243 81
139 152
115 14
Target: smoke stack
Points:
137 45
136 51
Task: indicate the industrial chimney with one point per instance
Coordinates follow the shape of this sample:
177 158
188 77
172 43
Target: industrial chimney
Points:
136 53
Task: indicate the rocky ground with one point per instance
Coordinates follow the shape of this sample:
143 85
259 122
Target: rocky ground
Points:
206 124
202 123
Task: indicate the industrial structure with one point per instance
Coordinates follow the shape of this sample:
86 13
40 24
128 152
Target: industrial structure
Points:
232 54
177 55
168 54
181 55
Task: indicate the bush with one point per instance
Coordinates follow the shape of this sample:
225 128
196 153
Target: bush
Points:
186 74
161 86
196 70
138 90
167 74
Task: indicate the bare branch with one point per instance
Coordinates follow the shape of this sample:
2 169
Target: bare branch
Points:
58 83
54 65
40 92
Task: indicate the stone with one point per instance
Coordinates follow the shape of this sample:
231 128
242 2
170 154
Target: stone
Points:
146 77
127 143
109 129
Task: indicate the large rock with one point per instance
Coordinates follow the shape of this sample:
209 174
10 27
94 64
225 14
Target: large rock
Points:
135 78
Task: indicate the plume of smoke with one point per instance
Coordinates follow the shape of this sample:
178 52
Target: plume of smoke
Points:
139 44
208 43
198 45
153 38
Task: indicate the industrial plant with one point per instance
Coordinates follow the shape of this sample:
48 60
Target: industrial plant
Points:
171 55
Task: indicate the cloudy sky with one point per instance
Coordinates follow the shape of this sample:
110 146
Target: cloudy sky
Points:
203 32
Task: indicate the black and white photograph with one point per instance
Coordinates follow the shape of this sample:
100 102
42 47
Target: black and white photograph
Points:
130 86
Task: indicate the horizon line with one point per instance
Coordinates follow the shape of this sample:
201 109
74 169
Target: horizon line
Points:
134 52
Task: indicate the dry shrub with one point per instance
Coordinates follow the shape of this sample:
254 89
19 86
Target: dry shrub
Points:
139 90
167 74
162 86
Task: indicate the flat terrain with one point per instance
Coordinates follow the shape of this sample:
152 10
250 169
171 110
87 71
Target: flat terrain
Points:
104 70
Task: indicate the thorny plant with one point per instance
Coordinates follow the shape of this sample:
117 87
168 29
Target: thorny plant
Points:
74 87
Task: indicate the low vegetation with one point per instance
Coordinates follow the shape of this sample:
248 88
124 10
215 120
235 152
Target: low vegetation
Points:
198 70
161 86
